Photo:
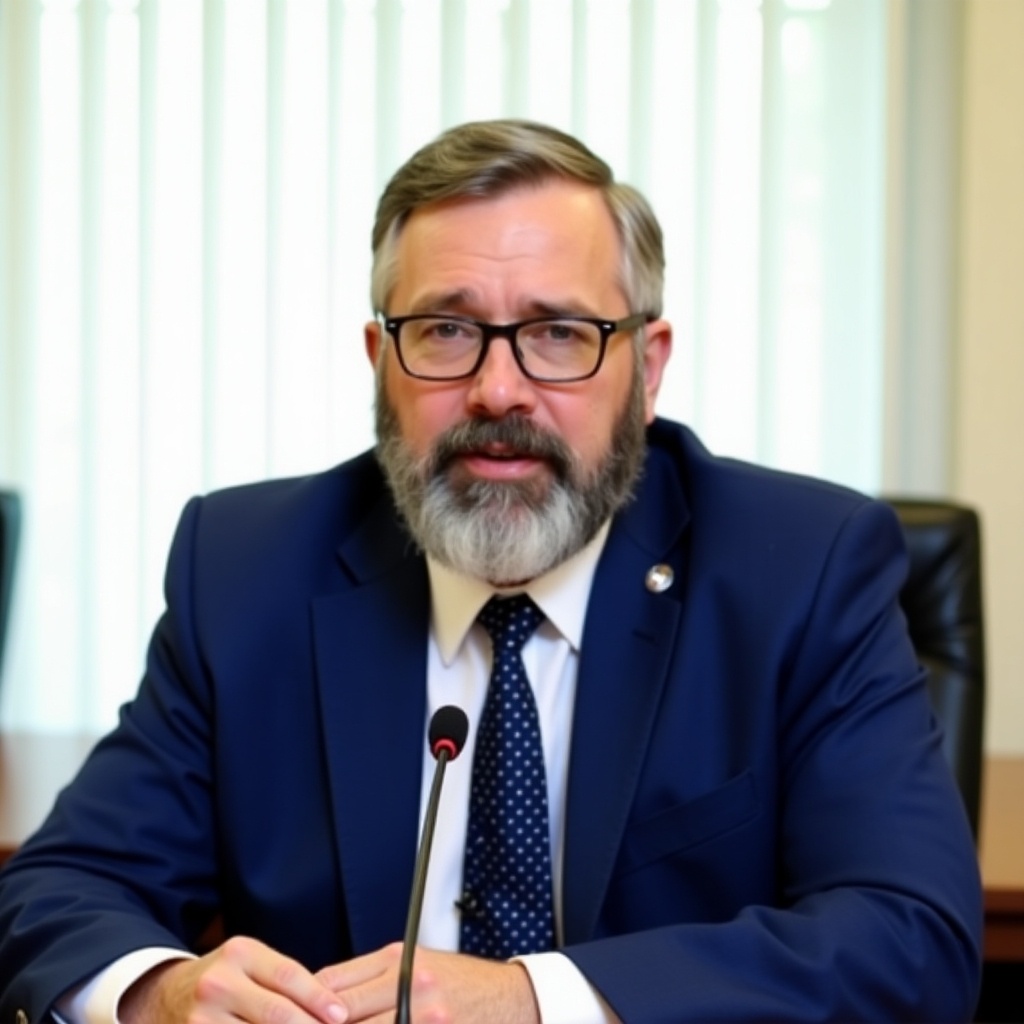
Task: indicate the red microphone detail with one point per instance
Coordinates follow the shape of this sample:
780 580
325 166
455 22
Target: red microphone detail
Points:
448 730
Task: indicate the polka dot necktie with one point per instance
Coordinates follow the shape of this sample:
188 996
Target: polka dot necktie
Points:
507 903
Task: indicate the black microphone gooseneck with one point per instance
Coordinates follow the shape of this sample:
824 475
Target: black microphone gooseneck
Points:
447 736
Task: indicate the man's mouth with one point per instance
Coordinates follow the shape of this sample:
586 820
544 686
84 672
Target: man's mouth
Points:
505 450
499 462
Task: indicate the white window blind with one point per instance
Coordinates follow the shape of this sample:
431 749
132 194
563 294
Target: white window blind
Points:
187 188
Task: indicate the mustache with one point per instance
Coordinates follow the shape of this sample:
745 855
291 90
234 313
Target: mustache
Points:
518 435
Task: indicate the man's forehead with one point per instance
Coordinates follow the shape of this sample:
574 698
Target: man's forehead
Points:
570 220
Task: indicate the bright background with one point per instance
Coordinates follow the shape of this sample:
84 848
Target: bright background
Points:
186 192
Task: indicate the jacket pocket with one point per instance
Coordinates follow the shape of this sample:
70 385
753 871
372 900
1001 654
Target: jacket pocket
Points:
686 825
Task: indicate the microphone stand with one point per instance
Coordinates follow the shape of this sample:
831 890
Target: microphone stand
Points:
412 924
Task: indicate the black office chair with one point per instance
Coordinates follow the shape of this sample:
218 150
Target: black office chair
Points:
10 528
943 605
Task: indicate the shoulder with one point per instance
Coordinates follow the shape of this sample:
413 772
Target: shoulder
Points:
289 527
718 484
753 511
704 475
344 493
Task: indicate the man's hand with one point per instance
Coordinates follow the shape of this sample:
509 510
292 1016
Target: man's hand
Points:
448 987
242 980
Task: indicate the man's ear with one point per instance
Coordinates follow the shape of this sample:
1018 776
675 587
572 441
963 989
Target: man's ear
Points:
373 341
657 349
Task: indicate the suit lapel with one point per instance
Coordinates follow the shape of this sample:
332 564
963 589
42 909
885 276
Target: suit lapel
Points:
371 649
628 642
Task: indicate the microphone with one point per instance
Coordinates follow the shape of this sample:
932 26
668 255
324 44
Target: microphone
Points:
446 737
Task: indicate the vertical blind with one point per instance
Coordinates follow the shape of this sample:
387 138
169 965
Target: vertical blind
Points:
187 187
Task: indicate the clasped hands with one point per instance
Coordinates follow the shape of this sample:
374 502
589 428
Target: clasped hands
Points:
245 980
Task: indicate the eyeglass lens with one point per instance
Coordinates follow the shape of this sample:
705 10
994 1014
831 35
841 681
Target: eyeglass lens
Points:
552 349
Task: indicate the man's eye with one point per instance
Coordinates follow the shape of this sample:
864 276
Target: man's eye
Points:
447 330
558 331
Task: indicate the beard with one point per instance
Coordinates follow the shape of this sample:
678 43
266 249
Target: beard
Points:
508 532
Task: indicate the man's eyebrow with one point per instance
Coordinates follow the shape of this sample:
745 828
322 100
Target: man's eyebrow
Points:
559 309
443 302
465 303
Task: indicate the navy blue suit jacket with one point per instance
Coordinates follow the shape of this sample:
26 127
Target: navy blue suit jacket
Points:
760 824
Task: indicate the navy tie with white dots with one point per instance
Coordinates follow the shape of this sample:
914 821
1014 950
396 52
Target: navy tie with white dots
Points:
507 903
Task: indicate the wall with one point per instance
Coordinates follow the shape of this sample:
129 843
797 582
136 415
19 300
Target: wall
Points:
989 408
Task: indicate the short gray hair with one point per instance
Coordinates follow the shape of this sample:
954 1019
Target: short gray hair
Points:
485 159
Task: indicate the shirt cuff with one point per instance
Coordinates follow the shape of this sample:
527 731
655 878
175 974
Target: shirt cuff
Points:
564 996
95 1001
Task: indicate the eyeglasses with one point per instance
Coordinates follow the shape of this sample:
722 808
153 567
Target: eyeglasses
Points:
549 349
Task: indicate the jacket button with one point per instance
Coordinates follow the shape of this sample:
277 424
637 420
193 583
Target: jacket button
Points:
659 578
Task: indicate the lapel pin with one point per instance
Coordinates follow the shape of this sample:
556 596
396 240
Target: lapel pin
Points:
659 578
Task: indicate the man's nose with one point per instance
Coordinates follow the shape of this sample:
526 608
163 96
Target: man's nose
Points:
500 386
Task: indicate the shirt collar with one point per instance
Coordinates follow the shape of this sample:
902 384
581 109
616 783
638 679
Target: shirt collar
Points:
561 594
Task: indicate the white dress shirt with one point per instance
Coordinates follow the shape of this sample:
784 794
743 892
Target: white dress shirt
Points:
458 669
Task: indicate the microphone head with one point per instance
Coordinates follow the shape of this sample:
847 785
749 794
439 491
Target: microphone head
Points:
449 727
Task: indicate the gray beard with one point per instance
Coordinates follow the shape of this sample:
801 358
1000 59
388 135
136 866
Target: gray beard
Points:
508 532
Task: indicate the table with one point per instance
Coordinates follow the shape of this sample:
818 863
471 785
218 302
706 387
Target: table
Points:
1001 847
34 767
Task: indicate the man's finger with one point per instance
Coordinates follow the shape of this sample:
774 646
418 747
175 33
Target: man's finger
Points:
259 984
361 969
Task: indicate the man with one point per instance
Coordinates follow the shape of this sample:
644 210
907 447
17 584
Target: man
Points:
743 804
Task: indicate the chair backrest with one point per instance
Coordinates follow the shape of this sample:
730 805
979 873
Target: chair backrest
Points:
943 605
10 527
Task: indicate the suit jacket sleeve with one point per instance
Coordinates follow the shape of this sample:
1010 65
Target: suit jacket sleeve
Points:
217 795
124 860
829 873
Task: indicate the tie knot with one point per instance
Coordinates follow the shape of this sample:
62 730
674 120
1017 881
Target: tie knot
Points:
510 621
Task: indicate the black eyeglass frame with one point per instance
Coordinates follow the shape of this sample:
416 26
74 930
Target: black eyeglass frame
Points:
393 325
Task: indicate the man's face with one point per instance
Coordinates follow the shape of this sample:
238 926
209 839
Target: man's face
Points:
551 249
